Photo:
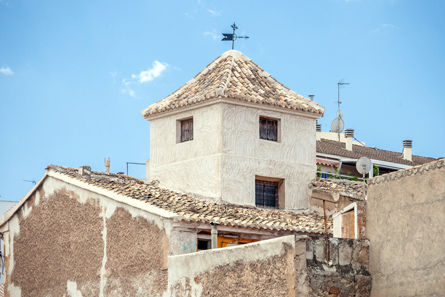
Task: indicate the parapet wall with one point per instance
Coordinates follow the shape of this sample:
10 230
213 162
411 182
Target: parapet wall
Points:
285 266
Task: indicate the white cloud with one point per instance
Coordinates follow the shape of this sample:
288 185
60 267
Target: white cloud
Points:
212 34
113 74
151 73
214 12
6 71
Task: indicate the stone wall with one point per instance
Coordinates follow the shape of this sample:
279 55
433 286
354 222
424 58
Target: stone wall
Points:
262 269
285 266
405 223
345 274
66 241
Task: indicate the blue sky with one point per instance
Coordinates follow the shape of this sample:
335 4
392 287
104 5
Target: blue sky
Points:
74 75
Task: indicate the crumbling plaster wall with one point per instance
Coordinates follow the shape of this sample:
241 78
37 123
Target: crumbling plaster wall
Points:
66 241
274 267
285 266
405 223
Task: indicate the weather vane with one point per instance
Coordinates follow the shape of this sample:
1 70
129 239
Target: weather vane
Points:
232 37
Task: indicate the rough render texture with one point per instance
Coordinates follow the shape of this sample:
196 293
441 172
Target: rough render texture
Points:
405 223
226 154
345 274
56 246
285 266
191 166
260 269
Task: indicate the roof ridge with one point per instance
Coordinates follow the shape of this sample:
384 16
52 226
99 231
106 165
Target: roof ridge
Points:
230 75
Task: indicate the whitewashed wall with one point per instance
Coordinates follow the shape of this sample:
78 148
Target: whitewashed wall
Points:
245 155
191 166
226 154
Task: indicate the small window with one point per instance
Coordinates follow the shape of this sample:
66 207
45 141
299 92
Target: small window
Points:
204 244
187 130
268 129
266 193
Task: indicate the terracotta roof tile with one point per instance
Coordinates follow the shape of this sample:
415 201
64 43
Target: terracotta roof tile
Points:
192 209
352 189
332 147
234 76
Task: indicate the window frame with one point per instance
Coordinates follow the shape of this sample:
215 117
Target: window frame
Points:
269 125
179 129
279 194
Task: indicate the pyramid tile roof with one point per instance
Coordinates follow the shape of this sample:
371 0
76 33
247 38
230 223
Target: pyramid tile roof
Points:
192 209
332 147
234 76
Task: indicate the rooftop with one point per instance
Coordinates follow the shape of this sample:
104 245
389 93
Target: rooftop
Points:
233 76
332 147
192 209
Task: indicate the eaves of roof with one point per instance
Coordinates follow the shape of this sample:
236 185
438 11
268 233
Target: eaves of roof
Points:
191 209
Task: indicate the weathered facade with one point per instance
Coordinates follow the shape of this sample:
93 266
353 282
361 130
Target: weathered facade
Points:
68 238
286 266
405 219
100 234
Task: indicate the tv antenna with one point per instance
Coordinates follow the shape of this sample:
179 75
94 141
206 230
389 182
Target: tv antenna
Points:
338 124
30 181
232 37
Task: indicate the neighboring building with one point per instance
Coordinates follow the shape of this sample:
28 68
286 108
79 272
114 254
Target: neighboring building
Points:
334 154
405 224
234 133
84 233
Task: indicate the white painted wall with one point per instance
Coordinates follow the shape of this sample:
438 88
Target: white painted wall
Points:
191 166
226 153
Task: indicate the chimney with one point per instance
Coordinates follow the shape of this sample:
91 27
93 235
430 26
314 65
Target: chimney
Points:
311 97
85 172
107 165
214 235
349 134
407 150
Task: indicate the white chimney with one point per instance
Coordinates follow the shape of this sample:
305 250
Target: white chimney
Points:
407 150
349 134
107 165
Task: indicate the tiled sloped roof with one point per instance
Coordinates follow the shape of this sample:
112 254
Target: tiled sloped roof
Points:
234 76
346 188
419 169
332 147
192 209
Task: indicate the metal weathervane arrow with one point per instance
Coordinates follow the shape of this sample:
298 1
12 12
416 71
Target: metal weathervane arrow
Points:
232 37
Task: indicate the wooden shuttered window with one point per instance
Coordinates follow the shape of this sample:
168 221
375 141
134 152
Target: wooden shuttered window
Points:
186 130
266 193
268 129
